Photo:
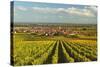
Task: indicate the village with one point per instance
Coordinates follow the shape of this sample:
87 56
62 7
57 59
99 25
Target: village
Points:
52 30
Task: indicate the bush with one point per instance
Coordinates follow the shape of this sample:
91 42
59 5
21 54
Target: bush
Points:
73 36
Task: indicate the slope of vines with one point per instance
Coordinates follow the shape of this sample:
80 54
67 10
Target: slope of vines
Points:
52 52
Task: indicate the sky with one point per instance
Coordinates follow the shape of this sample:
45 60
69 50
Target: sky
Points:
36 12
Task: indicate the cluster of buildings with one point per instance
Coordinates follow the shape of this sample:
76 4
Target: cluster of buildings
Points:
49 31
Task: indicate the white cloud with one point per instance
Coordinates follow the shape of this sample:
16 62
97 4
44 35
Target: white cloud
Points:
89 11
93 8
36 8
86 11
21 8
41 9
44 10
81 12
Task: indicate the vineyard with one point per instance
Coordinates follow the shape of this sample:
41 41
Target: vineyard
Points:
53 51
52 33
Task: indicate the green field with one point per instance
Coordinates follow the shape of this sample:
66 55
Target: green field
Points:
31 50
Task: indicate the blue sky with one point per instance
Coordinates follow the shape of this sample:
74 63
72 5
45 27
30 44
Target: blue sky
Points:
35 12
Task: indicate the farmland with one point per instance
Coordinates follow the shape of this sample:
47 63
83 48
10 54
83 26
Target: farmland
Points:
52 44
